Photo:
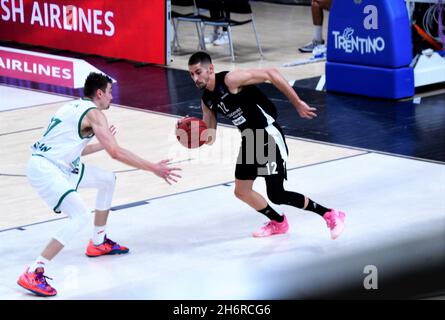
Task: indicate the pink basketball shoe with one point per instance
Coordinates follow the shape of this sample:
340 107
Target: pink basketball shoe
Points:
271 228
335 221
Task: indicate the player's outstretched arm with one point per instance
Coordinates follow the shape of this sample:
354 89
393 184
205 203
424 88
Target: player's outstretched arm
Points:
239 78
96 147
98 122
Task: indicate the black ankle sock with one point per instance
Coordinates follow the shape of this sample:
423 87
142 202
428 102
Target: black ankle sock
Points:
271 214
317 208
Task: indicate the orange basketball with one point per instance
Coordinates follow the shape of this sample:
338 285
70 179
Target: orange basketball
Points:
189 132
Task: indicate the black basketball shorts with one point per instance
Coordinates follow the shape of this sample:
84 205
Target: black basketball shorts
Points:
263 152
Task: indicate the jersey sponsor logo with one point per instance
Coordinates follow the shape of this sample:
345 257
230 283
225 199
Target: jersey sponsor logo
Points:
238 121
41 146
235 114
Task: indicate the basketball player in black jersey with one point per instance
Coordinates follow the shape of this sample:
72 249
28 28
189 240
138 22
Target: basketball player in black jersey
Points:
263 150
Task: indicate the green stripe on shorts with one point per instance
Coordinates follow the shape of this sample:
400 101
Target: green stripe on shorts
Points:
61 199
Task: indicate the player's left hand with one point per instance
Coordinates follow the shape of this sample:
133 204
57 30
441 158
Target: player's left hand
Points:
305 111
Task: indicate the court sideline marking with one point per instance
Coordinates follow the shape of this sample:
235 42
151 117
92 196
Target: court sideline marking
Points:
147 201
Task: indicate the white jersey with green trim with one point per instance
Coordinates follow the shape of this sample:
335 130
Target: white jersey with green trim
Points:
62 142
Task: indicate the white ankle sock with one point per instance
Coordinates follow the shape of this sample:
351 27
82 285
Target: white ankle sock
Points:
318 33
99 235
40 262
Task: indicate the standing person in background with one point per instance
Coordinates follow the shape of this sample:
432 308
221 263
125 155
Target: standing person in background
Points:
219 36
317 18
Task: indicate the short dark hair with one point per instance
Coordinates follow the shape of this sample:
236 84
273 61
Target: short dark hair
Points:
200 57
95 81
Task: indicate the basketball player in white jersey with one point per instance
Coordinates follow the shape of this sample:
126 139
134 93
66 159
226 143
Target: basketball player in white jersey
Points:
55 172
263 151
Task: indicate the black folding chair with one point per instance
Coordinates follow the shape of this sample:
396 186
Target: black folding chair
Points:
241 7
192 16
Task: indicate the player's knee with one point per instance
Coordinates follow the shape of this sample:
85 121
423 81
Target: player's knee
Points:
110 179
107 182
105 193
80 219
275 191
241 193
85 217
275 196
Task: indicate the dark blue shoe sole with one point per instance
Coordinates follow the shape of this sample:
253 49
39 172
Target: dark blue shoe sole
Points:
110 253
36 292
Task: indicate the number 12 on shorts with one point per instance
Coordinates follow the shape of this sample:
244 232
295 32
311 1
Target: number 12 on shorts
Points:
272 167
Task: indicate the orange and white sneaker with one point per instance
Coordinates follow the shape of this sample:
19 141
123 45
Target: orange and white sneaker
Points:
107 247
36 283
271 228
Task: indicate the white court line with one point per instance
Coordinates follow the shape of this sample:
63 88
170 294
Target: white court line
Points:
171 195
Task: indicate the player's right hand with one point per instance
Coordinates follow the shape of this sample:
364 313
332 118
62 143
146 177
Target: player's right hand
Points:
305 111
162 170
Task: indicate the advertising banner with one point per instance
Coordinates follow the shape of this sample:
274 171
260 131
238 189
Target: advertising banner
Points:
133 30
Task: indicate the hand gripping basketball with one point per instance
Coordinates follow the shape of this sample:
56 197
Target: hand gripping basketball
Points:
190 132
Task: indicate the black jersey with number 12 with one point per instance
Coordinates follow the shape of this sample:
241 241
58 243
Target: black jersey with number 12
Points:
249 108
